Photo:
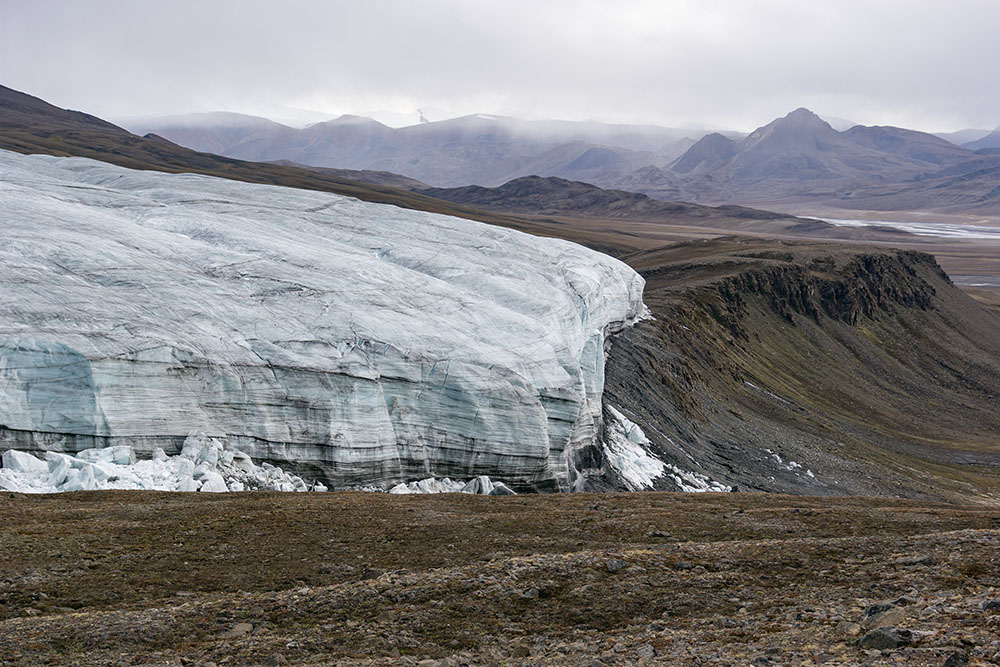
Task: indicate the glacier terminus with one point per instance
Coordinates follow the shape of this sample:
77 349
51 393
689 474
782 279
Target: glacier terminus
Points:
350 343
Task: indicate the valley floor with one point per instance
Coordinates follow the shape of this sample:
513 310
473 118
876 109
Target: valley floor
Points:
133 578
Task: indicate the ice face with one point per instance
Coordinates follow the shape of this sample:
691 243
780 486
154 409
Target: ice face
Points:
351 342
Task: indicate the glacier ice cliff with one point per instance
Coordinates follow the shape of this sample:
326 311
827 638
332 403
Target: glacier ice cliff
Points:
349 342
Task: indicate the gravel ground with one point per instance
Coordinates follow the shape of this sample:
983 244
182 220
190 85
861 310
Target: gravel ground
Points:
618 579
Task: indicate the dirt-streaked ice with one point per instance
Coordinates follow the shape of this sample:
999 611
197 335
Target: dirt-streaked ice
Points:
351 342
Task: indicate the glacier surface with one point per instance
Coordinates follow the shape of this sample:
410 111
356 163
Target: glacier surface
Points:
350 342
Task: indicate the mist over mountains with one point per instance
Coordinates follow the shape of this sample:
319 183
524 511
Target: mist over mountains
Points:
479 149
799 158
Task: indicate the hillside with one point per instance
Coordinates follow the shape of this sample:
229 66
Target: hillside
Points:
386 178
558 196
805 365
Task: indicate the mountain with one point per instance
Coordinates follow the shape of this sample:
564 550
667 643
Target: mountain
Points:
991 140
962 137
237 134
800 158
708 154
798 148
479 149
907 144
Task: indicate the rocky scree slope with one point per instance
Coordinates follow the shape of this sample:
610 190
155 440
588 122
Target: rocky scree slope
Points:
351 343
812 368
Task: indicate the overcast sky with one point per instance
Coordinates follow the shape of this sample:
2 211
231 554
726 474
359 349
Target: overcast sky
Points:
732 64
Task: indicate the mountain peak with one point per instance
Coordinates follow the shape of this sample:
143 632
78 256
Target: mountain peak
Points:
708 153
352 118
803 116
801 125
802 111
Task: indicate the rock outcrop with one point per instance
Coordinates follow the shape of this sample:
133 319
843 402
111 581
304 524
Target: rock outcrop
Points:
349 342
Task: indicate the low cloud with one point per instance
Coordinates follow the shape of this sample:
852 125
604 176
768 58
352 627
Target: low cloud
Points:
719 63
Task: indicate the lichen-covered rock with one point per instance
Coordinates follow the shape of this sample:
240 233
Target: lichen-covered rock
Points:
350 342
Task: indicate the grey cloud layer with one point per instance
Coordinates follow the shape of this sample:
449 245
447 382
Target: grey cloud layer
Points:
734 63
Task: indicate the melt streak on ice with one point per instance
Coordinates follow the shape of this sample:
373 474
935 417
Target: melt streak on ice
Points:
349 342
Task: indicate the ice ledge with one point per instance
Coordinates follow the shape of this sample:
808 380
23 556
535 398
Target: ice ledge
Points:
204 465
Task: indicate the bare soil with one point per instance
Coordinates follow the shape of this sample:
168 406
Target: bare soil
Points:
353 578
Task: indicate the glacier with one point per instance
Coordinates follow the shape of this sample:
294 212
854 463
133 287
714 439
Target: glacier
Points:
351 343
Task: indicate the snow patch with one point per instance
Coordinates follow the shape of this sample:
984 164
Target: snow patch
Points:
626 449
693 482
791 466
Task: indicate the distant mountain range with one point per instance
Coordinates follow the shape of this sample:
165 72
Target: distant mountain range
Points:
31 125
802 158
991 140
795 160
478 149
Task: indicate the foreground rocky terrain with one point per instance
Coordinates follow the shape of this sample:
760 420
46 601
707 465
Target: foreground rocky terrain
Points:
102 578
